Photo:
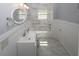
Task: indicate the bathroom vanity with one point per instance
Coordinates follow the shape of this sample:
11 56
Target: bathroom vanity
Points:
26 46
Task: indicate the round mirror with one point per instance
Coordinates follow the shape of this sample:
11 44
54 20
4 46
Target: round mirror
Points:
19 15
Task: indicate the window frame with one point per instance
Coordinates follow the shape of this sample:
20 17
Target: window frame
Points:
42 14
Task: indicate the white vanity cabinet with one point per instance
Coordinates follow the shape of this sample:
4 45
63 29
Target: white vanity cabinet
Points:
26 46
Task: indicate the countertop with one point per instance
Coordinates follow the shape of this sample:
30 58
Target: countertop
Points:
29 38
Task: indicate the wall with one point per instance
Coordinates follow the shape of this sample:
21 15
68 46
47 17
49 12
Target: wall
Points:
9 35
78 42
67 34
67 11
6 10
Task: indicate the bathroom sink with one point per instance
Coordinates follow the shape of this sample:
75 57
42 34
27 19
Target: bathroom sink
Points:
28 38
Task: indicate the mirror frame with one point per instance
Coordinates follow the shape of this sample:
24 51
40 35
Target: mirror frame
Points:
15 20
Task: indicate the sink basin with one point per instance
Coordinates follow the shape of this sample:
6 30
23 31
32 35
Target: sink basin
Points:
31 37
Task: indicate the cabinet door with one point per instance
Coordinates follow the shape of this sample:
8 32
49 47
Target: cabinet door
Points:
26 49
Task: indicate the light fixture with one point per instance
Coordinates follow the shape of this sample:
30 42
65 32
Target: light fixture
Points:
23 6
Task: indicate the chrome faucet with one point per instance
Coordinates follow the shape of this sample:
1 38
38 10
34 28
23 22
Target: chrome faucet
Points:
25 31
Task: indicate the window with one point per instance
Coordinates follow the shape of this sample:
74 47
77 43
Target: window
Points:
42 14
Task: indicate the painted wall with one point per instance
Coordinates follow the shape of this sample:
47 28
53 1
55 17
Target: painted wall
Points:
67 11
78 42
9 35
6 10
